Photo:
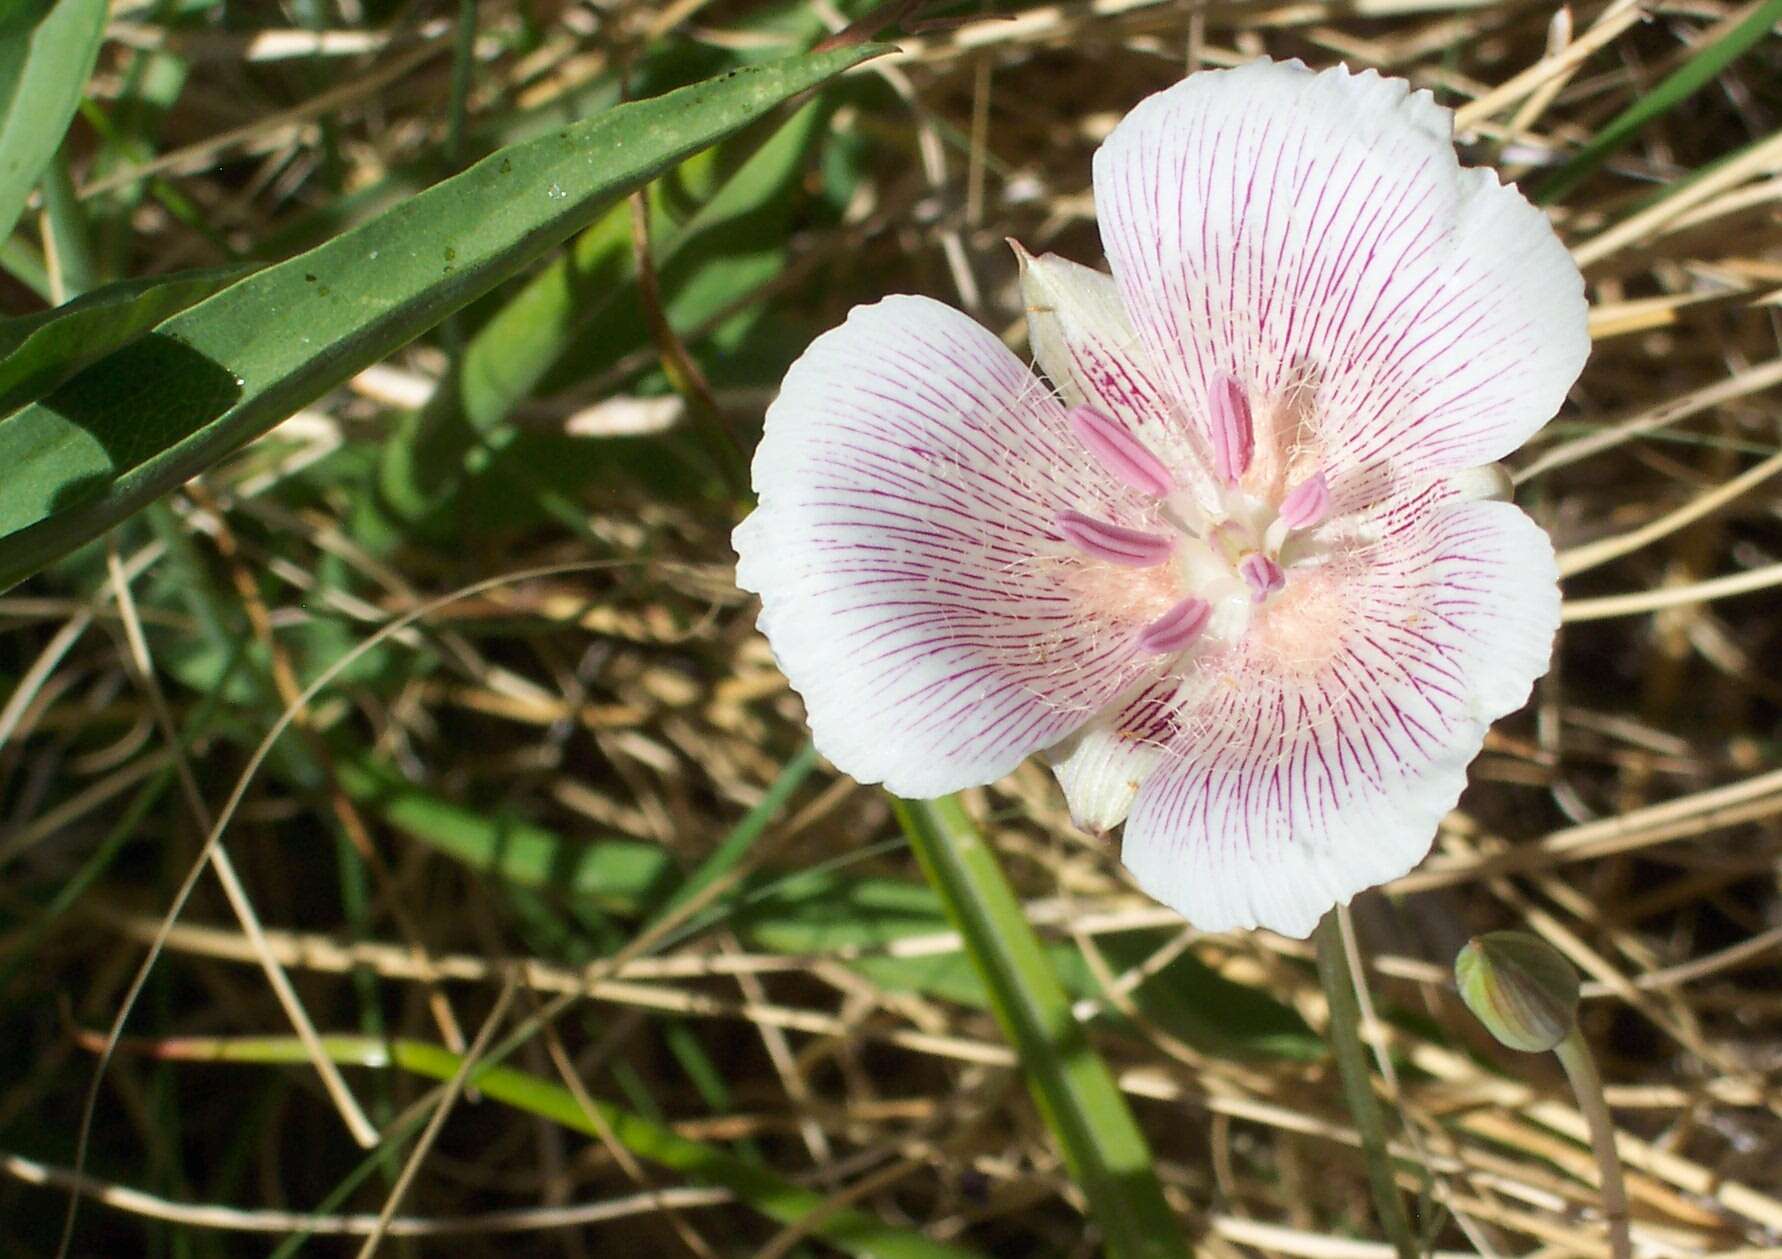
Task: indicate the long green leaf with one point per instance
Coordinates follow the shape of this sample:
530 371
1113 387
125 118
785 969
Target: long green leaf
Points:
624 876
583 308
148 417
39 352
845 1228
821 912
1076 1093
1702 67
851 1231
44 66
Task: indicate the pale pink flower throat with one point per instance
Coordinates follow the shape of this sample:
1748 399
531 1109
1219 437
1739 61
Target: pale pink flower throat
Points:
1226 555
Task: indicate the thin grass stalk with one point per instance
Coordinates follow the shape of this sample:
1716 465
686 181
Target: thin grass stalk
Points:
845 1228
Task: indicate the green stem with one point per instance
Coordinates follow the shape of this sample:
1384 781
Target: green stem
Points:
463 57
1364 1107
1075 1092
1580 1068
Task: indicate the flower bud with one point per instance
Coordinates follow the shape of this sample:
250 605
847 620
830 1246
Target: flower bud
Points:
1520 988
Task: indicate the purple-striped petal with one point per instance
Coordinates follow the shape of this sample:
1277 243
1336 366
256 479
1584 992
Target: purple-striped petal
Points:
914 585
1316 758
1103 765
1314 236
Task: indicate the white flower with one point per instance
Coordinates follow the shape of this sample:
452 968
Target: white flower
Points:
1233 573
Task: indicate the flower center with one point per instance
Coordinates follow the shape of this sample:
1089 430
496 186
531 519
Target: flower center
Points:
1230 556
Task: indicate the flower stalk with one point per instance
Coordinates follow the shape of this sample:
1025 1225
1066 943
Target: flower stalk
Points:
1526 995
1351 1058
1587 1084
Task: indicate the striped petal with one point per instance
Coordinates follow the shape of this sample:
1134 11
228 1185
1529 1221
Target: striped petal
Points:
1316 758
1313 237
916 585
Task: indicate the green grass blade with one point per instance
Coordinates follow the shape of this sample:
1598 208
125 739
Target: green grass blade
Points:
1364 1108
153 414
38 352
623 876
743 835
47 51
66 227
814 911
848 1230
1688 79
1075 1091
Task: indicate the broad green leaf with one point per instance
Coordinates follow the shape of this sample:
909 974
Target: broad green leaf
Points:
39 352
582 310
153 414
47 50
1072 1086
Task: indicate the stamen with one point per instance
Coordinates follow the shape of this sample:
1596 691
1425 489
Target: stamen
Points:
1131 548
1176 628
1307 503
1121 454
1234 437
1263 574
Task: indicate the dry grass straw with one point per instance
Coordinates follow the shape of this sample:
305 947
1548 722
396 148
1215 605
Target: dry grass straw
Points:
1633 817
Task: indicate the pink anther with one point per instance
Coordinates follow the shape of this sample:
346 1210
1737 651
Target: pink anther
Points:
1307 503
1233 435
1263 574
1131 548
1124 456
1176 628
